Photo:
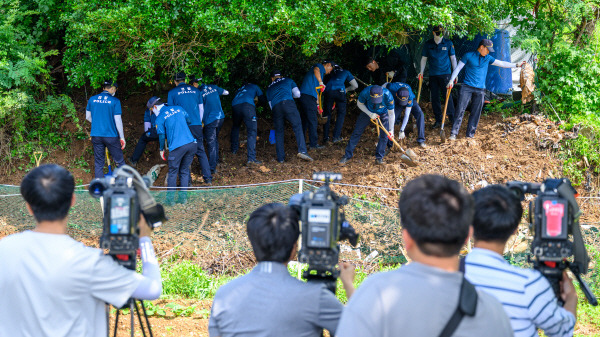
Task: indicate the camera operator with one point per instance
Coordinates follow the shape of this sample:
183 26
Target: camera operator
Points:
525 294
422 297
268 301
52 285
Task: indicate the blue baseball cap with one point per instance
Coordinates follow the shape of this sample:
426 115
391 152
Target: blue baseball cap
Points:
376 94
110 83
488 44
403 96
154 100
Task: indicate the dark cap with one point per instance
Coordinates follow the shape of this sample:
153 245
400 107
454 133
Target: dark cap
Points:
180 76
402 94
488 43
195 79
333 64
154 100
376 94
109 83
276 73
438 30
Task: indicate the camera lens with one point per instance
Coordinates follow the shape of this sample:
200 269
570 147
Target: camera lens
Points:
97 187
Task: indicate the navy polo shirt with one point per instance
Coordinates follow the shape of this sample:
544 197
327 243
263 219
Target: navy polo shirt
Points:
476 67
338 80
212 102
280 90
394 87
188 97
171 121
104 107
386 104
438 56
246 94
309 83
150 117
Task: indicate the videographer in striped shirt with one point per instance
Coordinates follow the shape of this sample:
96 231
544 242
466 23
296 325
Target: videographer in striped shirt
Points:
525 294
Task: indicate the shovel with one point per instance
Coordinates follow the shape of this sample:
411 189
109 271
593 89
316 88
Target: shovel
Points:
442 133
419 92
409 157
322 119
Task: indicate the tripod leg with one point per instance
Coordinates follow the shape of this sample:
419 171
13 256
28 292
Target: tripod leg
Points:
147 320
137 311
131 316
116 323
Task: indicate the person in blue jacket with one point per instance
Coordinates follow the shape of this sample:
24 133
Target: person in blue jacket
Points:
103 111
374 102
190 99
440 54
148 136
473 89
405 102
308 99
213 120
172 122
335 94
280 95
244 110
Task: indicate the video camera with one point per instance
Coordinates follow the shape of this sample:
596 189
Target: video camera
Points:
323 225
553 216
125 194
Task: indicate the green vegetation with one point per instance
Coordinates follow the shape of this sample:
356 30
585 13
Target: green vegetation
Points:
188 280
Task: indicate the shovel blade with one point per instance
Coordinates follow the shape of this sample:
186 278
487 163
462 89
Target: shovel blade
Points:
442 136
412 155
406 160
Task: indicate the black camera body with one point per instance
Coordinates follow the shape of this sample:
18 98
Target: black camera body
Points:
554 220
322 225
121 213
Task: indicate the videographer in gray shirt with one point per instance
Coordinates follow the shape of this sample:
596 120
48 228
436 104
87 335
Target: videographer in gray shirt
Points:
268 301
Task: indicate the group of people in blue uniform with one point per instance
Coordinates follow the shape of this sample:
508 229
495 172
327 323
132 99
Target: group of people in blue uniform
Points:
193 113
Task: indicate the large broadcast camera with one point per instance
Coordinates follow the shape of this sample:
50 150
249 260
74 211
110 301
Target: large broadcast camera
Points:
323 225
125 194
553 216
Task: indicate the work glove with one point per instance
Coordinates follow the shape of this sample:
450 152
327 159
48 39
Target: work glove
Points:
450 85
162 155
122 143
390 74
401 135
373 115
420 76
456 80
148 134
322 86
523 64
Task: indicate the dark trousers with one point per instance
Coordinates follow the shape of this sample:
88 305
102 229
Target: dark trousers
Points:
211 134
339 98
476 96
308 115
245 112
437 86
179 161
282 111
201 153
419 117
361 123
114 148
150 136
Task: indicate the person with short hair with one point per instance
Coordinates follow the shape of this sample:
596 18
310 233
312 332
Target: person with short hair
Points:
172 121
103 111
244 109
473 89
52 285
421 297
280 95
190 99
212 121
439 53
335 95
525 294
387 69
308 99
405 102
374 102
268 301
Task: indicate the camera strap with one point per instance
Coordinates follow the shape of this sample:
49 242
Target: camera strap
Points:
581 258
153 212
467 305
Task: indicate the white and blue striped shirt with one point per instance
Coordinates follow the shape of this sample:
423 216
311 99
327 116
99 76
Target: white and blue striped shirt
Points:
525 294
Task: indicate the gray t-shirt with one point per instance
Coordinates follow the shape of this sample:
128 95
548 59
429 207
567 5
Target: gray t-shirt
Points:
269 302
52 285
417 300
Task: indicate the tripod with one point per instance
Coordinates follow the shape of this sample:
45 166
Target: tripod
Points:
133 303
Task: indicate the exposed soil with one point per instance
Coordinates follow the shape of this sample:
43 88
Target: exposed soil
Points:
519 148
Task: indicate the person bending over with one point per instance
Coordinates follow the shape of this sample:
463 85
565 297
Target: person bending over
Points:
52 285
